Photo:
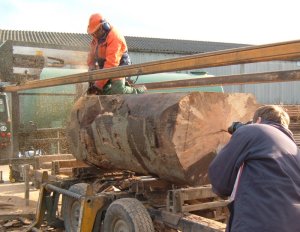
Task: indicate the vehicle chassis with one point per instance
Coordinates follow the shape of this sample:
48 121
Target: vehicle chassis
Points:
170 208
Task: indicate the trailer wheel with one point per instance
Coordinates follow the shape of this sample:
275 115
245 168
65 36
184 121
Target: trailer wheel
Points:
127 215
71 207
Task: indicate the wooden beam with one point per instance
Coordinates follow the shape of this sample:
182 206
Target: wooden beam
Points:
189 222
254 78
277 51
18 77
206 205
28 61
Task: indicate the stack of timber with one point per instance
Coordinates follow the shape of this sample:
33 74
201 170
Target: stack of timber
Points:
295 128
173 136
56 167
294 113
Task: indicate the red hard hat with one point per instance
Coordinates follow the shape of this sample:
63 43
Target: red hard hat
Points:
94 23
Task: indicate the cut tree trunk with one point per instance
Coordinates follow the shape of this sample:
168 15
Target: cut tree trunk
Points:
173 136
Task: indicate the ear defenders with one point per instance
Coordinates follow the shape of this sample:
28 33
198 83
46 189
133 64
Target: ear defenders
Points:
105 25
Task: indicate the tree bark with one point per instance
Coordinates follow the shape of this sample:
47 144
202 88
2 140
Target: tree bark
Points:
173 136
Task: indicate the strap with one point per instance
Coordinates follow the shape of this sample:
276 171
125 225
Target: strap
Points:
236 183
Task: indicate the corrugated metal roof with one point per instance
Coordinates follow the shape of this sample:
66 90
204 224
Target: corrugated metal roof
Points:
141 44
71 40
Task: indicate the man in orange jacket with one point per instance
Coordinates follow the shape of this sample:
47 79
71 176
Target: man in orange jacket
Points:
108 49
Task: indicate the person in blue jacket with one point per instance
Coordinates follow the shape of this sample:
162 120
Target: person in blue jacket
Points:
259 169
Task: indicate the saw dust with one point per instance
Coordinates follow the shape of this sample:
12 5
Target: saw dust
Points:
12 196
15 213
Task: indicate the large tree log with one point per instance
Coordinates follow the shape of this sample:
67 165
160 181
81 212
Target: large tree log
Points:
170 135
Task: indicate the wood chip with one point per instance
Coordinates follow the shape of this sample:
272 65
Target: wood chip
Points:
12 223
25 221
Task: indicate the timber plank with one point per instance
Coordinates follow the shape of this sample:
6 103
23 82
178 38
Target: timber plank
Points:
278 51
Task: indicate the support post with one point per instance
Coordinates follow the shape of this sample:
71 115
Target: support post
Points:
1 177
26 181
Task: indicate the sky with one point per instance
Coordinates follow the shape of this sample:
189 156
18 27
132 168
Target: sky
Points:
230 21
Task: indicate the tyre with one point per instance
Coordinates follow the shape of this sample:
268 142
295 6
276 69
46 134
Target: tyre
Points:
127 215
71 207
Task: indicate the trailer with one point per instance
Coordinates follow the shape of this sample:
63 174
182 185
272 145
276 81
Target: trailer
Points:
125 202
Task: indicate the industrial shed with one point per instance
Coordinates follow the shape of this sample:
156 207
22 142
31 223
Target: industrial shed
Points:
143 49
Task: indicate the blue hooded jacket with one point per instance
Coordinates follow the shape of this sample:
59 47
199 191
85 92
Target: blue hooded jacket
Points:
268 194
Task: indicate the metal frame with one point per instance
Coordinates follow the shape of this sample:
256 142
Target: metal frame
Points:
48 205
177 199
175 215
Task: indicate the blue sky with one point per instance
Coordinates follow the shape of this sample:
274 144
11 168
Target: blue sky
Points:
236 21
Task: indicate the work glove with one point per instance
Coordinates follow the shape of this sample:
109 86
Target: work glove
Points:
141 89
93 89
236 125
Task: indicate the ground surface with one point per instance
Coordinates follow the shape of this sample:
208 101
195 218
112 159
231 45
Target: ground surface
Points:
12 196
15 215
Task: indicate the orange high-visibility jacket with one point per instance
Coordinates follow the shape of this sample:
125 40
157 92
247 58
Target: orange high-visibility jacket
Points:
110 50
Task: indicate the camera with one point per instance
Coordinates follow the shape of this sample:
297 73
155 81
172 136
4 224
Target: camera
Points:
236 125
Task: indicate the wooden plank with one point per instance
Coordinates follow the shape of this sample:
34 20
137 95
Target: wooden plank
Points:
254 78
49 158
293 111
294 126
190 222
28 61
64 171
21 78
276 51
195 193
198 223
206 205
16 215
70 163
65 167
